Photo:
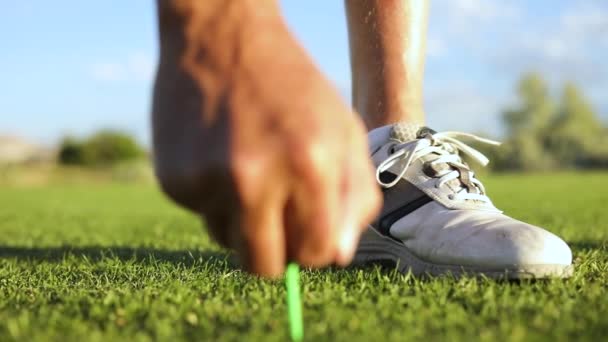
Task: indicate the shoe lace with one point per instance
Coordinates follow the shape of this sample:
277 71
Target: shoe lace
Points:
447 145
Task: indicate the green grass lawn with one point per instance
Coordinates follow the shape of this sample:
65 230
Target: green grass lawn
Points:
92 262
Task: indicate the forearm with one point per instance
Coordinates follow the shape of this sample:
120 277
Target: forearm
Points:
213 28
220 60
202 46
387 43
208 40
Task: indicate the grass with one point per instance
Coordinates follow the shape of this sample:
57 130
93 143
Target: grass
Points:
108 261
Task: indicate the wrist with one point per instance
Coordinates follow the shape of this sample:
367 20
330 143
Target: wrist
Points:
212 30
209 42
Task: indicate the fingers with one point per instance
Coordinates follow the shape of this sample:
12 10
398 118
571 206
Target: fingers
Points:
364 173
313 211
332 203
360 199
255 233
259 235
262 242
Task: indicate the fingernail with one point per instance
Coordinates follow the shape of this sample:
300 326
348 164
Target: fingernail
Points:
347 245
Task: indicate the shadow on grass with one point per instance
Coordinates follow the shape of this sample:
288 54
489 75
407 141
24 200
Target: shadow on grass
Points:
142 255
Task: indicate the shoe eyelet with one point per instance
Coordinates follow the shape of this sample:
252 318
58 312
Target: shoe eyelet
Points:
428 170
451 197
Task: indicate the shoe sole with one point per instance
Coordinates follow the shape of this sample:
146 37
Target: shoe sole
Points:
377 248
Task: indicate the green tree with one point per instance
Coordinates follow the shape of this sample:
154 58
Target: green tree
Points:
109 147
577 136
535 109
71 152
104 148
527 125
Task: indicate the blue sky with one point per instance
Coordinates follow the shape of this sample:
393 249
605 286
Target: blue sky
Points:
70 67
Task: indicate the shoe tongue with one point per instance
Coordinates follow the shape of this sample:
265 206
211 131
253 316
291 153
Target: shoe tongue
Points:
404 131
401 132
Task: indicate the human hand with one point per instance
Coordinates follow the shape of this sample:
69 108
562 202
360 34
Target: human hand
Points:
255 139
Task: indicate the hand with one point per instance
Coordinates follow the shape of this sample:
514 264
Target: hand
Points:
261 145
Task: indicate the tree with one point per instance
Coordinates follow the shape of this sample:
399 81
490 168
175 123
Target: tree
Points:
104 148
535 109
71 152
109 147
544 136
527 126
577 137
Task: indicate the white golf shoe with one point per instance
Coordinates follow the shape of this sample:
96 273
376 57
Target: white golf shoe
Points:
437 219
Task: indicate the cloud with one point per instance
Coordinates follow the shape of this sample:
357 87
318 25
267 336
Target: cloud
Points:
480 10
138 67
108 72
141 66
463 18
489 44
586 21
464 25
435 47
572 46
461 105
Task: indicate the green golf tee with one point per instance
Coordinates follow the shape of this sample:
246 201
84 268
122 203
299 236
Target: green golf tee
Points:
294 303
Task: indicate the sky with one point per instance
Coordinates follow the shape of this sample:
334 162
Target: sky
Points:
72 67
